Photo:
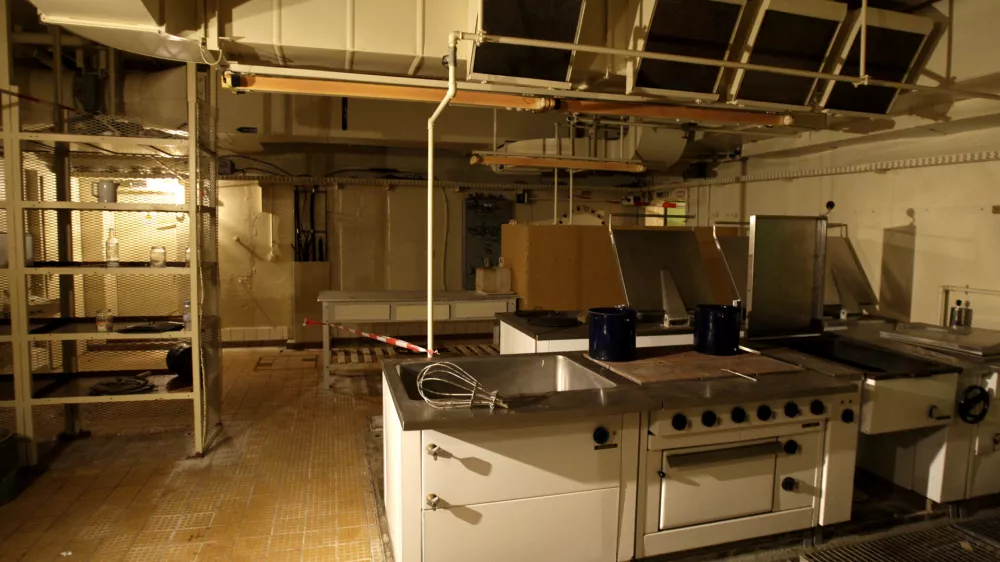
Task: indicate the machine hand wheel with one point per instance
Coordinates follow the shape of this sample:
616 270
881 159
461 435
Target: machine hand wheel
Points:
973 404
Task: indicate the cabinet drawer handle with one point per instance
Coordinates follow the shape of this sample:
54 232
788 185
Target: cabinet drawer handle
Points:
433 450
432 501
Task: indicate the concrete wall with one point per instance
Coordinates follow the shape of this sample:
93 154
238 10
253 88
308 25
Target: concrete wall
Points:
376 237
915 230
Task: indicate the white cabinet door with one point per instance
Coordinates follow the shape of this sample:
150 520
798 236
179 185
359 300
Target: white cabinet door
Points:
503 464
580 527
704 484
900 404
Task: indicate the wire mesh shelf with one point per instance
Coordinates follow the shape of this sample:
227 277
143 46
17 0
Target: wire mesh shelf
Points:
38 116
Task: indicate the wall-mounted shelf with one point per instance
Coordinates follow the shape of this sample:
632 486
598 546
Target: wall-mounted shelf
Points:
90 206
85 269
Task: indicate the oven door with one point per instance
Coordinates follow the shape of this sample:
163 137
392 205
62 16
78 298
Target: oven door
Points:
705 484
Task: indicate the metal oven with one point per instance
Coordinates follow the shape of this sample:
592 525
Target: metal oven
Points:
720 474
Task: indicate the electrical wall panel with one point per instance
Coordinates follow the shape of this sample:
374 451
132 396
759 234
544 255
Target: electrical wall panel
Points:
548 20
793 34
694 28
895 51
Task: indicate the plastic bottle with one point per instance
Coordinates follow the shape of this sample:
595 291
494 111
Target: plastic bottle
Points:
187 316
111 249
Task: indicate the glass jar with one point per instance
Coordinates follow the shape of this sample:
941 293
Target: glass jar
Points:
105 321
158 256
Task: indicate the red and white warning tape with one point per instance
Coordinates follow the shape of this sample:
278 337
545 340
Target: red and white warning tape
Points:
376 337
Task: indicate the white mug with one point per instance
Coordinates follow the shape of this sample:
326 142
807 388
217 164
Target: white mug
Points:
107 191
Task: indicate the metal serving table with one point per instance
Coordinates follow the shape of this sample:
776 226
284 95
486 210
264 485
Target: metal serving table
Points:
387 307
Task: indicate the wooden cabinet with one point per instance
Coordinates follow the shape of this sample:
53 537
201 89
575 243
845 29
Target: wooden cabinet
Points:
473 467
577 527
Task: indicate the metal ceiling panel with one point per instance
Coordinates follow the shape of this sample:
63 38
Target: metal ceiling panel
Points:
895 45
549 20
698 28
796 34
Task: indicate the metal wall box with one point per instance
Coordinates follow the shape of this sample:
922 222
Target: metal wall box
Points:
696 28
896 43
551 20
786 274
795 34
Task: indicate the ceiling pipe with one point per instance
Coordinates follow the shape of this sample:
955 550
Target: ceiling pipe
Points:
557 162
480 38
310 86
273 84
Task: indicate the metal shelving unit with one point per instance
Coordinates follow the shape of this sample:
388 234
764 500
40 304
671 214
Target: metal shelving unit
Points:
167 197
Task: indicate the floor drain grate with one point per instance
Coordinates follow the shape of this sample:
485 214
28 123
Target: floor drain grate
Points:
944 544
987 529
359 355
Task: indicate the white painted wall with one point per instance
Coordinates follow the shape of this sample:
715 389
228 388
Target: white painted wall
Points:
938 218
957 236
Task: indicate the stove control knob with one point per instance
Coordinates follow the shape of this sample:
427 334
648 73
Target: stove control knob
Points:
817 408
709 419
738 415
764 413
791 447
601 435
788 484
792 410
847 416
680 422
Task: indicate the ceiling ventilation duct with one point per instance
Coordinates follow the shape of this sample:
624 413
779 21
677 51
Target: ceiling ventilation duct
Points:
696 28
795 34
650 147
157 28
895 52
549 20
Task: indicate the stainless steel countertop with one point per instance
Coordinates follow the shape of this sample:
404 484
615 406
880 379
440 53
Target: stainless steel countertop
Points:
582 331
393 296
625 397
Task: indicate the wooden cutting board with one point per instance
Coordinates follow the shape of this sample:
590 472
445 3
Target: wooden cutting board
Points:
691 365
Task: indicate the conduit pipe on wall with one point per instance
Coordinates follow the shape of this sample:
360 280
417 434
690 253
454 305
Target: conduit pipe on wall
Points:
452 88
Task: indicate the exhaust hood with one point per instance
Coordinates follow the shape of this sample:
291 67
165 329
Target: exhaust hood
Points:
697 28
896 42
550 20
796 34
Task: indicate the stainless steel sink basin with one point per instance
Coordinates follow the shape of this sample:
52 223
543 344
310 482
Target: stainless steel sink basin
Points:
517 375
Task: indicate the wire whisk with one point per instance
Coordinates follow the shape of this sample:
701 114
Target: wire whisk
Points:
445 385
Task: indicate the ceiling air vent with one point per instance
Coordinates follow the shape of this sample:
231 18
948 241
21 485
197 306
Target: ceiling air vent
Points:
549 20
696 28
795 34
895 45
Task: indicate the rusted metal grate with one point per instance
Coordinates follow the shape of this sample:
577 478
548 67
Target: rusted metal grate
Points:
943 544
987 529
359 355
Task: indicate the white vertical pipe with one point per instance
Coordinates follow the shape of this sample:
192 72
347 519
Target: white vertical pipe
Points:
571 197
452 87
555 195
863 68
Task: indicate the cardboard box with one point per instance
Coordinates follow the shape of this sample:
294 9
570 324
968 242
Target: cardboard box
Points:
562 267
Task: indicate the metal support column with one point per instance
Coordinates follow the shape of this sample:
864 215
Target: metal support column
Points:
194 157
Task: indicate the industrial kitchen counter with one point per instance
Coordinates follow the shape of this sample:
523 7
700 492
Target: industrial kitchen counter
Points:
575 468
620 397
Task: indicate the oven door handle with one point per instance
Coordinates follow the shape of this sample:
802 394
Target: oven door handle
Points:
686 460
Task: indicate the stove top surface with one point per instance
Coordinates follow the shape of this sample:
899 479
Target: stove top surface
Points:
874 362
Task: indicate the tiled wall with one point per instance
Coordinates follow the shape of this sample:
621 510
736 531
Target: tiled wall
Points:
273 333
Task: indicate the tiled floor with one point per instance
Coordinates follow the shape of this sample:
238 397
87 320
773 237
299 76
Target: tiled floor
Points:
287 480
